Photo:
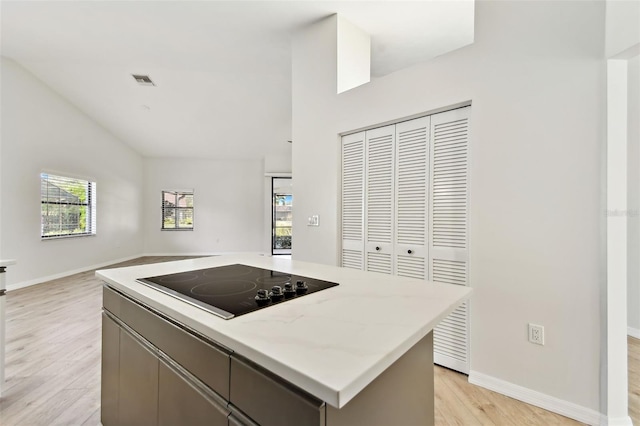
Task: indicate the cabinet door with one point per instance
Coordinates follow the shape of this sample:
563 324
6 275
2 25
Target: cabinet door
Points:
379 200
269 400
110 371
183 402
138 401
448 251
353 201
411 189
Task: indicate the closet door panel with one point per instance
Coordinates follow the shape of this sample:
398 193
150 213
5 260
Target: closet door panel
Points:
353 169
448 233
379 199
411 189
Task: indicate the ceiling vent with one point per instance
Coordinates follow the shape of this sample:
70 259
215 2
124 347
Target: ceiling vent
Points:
143 80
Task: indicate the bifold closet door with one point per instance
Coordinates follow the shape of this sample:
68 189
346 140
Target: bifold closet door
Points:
353 201
379 199
448 229
411 189
405 203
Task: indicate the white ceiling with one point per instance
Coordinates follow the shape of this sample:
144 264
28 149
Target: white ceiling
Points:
222 69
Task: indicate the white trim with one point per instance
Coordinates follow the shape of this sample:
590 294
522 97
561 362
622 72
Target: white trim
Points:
277 174
224 253
67 174
40 280
547 402
633 332
614 381
435 111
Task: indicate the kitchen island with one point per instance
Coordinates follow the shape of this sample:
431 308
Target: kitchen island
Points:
360 352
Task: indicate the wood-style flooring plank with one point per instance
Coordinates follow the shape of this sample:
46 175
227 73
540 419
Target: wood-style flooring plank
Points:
633 363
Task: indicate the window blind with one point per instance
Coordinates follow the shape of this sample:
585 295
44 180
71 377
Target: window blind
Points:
67 206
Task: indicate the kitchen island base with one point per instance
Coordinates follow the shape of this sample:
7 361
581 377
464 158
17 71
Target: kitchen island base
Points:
157 371
402 395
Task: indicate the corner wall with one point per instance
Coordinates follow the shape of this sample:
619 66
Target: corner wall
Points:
538 126
228 206
41 131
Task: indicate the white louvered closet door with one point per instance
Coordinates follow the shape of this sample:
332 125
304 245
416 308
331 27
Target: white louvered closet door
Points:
353 201
448 233
379 199
412 187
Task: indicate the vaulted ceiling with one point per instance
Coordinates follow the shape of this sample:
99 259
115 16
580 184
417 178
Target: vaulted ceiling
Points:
222 69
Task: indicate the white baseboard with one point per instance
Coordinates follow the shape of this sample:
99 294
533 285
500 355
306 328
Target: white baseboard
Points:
633 332
178 254
40 280
221 253
550 403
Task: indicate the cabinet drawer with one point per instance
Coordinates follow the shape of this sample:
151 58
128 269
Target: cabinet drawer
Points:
207 362
270 400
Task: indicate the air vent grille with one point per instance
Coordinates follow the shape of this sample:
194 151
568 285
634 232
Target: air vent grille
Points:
143 80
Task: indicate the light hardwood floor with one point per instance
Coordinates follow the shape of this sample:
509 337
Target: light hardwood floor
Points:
53 365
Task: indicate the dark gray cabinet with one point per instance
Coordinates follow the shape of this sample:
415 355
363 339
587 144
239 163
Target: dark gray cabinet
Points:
142 383
110 370
158 372
138 383
269 400
183 402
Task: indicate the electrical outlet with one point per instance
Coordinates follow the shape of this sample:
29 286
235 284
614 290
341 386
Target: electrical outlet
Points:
536 334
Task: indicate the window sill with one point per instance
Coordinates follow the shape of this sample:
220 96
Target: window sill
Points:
61 237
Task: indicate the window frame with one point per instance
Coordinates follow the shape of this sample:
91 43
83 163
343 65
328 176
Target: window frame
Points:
176 209
90 187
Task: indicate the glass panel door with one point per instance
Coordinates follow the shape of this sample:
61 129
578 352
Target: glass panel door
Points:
282 216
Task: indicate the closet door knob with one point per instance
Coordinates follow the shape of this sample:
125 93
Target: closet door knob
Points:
377 248
409 251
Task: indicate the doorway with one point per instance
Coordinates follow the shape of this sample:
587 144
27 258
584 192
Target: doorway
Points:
282 215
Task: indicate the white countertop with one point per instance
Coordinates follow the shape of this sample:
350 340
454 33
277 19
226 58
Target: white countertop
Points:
331 343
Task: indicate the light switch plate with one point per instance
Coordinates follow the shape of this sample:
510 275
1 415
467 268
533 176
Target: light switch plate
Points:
314 220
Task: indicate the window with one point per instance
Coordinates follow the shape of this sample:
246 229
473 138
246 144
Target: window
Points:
177 210
68 207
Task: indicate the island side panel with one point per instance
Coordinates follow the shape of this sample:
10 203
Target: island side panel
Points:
401 395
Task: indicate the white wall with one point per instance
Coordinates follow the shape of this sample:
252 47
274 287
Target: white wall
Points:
623 25
42 131
538 123
633 197
228 206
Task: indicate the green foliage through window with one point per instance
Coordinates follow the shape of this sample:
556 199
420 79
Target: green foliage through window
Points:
68 206
177 210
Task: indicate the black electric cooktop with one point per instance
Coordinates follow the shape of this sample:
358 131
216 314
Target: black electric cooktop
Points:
232 290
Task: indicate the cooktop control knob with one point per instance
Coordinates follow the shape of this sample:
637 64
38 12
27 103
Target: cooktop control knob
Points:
301 287
262 298
289 291
276 293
